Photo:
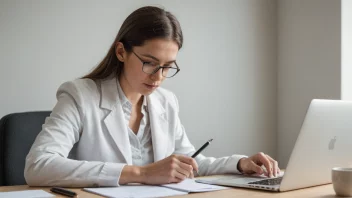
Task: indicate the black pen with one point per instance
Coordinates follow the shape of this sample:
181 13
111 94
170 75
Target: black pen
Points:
63 191
201 148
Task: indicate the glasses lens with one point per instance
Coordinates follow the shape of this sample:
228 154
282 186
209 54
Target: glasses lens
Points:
168 71
149 68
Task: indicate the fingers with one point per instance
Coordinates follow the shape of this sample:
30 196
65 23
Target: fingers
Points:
191 175
275 165
185 169
271 165
188 160
267 163
255 168
177 177
177 174
183 166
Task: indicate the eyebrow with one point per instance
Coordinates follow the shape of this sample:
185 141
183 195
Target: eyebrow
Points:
153 57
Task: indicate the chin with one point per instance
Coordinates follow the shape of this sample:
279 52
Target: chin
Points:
145 92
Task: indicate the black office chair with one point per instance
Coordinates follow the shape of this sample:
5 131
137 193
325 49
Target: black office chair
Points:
17 134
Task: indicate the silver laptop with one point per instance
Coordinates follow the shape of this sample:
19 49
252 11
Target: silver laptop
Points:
323 143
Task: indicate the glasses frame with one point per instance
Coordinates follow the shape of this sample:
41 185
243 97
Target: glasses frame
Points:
158 67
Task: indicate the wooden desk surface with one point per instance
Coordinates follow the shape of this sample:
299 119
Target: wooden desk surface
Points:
325 191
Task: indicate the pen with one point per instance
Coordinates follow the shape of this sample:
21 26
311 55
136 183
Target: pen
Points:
201 148
63 191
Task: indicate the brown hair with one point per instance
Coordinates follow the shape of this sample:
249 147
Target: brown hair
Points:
141 25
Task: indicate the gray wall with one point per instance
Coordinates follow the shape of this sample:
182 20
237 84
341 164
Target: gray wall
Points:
309 63
226 87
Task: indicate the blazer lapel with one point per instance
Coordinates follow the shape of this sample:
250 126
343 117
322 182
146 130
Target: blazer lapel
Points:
159 127
114 121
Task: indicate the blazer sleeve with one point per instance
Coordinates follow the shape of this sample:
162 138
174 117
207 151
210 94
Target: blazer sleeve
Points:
47 163
206 165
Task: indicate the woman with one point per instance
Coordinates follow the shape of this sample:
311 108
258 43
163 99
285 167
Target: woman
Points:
117 126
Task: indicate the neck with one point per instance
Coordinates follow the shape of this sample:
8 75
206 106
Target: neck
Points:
134 97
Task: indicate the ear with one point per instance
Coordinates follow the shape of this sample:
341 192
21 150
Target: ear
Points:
120 51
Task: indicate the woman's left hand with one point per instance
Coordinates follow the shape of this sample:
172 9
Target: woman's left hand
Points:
254 164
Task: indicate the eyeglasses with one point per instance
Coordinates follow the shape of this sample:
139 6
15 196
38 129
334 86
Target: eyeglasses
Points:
151 68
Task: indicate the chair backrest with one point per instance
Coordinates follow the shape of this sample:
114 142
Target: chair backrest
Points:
17 134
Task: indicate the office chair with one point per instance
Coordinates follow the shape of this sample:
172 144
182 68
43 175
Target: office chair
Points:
17 134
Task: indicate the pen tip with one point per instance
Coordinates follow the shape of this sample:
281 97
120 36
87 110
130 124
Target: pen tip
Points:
210 140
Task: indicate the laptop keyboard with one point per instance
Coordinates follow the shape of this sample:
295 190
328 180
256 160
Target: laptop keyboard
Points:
273 181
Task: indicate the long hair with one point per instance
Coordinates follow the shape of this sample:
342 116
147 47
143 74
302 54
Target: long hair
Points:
143 24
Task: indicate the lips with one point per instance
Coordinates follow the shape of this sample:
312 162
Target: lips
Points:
151 86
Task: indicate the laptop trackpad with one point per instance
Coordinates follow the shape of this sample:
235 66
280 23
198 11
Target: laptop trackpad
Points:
230 179
239 180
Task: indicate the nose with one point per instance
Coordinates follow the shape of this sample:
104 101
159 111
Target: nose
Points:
158 76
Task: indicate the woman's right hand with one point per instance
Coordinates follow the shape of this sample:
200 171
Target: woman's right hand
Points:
172 169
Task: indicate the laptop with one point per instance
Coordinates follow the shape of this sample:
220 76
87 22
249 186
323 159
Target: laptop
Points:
323 143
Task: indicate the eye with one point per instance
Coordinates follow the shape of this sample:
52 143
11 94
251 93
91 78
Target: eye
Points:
149 64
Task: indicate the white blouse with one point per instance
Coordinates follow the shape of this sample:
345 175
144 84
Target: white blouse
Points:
141 143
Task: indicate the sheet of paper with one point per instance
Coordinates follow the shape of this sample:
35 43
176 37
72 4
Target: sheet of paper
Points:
26 193
135 191
189 185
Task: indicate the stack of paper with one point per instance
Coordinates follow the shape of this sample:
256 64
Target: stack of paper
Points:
146 191
26 193
135 191
189 185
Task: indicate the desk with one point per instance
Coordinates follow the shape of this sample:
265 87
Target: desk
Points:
325 191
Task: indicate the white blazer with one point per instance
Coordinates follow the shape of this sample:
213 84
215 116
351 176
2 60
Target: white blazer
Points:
85 140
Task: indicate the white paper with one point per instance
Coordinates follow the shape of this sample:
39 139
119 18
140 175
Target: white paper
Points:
189 185
135 191
26 193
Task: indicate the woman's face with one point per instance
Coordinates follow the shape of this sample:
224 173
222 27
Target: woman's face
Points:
157 51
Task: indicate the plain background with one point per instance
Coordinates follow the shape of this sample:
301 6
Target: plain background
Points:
309 63
249 68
